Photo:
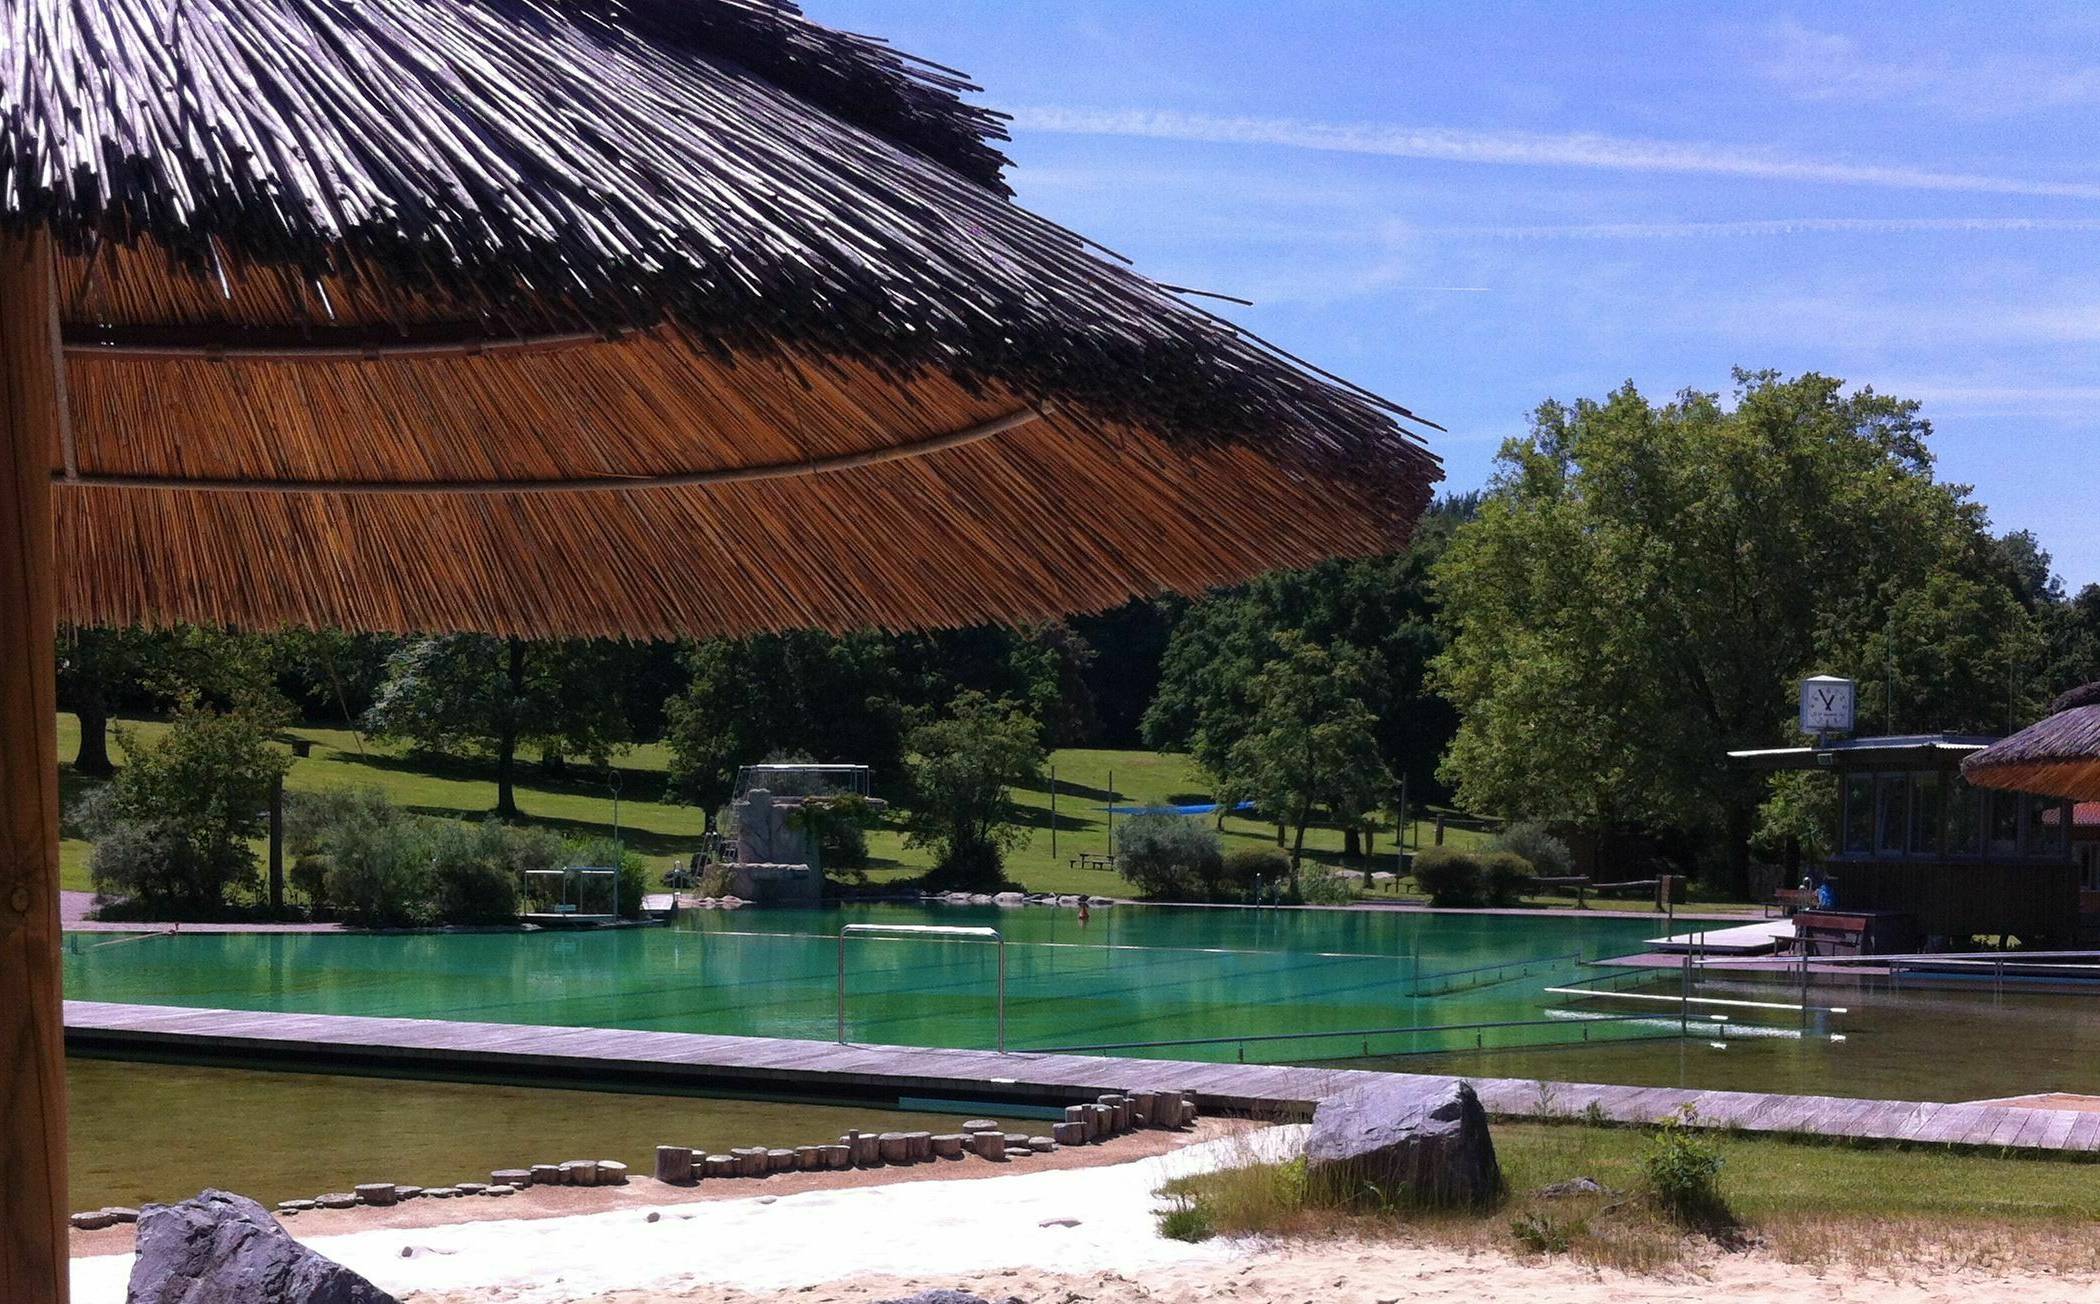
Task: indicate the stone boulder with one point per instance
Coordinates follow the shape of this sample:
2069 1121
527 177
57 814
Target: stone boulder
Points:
220 1247
1404 1141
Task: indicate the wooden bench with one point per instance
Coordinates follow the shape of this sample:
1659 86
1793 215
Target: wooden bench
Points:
1819 932
1790 901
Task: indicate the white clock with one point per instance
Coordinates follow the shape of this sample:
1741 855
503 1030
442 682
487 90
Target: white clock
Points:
1827 705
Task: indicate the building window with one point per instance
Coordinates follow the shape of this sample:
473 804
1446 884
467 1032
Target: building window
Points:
1859 815
2003 831
2089 866
1893 792
1925 788
2047 827
1965 820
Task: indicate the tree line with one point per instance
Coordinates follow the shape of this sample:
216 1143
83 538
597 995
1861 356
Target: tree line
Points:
1637 590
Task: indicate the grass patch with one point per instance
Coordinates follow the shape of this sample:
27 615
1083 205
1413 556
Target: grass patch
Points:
1891 1210
580 805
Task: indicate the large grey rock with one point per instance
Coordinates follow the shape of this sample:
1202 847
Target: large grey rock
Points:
221 1247
1402 1141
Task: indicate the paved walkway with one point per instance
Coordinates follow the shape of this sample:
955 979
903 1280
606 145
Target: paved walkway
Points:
604 1056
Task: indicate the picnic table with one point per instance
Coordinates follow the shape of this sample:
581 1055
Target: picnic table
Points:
1093 860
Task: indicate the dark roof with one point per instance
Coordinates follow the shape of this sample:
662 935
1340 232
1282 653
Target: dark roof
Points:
1900 751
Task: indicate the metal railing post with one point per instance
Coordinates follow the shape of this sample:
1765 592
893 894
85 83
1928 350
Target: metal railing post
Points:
842 987
923 930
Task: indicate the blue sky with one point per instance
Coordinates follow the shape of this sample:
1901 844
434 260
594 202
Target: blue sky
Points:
1472 207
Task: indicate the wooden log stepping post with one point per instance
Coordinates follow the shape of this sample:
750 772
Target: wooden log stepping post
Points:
721 1166
674 1164
948 1145
517 1177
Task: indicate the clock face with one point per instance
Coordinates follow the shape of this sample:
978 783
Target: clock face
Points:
1826 705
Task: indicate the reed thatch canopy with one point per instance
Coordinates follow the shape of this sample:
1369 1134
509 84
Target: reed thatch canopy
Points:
637 317
2059 757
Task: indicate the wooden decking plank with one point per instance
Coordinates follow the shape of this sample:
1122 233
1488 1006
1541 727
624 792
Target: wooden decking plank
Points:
1254 1087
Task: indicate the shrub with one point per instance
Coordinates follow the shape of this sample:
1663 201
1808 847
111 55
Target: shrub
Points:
180 817
378 874
839 825
1249 869
1318 886
1531 839
1452 878
604 853
1683 1170
1186 1221
471 878
1169 857
1505 877
1542 1233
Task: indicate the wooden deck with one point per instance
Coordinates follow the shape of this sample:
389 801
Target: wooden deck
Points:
610 1057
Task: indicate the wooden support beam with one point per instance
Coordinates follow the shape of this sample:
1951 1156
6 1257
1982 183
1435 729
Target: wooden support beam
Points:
33 1262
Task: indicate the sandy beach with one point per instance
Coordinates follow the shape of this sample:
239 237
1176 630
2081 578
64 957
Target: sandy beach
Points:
1075 1235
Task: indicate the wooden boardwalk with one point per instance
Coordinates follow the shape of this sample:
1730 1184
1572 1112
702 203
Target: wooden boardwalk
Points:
619 1057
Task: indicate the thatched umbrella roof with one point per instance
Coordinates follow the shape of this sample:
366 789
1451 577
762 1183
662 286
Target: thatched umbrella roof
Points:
2059 757
596 317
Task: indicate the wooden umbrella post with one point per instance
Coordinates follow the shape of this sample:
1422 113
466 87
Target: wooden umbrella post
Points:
33 1260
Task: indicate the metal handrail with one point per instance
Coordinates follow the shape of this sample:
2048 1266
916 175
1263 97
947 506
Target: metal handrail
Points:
923 930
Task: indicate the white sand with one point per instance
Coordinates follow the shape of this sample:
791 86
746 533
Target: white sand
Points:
862 1244
785 1242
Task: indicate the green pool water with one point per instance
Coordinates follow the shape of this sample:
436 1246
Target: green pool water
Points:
142 1132
1270 985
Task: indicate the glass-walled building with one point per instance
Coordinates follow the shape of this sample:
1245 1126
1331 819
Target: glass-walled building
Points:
1953 862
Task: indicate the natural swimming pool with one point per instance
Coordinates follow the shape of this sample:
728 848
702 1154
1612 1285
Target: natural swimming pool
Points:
1185 982
1267 986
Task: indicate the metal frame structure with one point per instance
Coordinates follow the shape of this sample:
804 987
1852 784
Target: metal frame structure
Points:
923 930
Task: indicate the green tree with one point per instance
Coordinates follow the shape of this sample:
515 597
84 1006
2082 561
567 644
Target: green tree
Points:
1382 607
1310 742
963 767
103 670
829 698
1646 583
172 830
488 697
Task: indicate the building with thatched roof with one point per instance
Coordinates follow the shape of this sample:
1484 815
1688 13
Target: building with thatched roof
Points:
655 317
640 317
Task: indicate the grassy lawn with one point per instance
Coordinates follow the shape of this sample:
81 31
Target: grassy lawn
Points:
1824 1204
582 806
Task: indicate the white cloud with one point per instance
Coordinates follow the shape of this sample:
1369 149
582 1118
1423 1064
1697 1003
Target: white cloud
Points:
1526 149
1771 227
1822 66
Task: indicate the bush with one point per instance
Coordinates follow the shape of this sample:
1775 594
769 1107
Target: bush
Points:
471 878
1170 858
1318 886
839 825
173 830
1683 1170
1250 869
1531 839
378 874
604 853
1187 1221
1453 879
1505 877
